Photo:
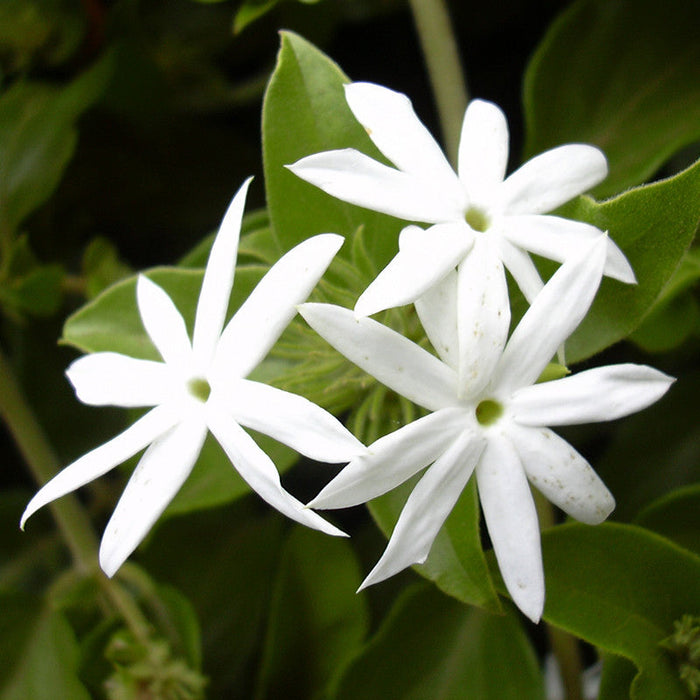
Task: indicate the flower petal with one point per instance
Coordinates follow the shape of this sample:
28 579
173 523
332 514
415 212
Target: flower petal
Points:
552 178
111 379
599 394
424 258
561 474
511 519
356 178
103 458
292 420
158 477
558 239
391 460
262 317
218 282
437 311
164 324
483 316
483 149
258 471
551 319
393 126
389 357
521 267
428 506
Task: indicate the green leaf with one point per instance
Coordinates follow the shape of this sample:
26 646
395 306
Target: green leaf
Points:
316 619
621 588
654 225
430 646
620 75
102 266
456 561
38 137
676 516
39 652
617 677
305 112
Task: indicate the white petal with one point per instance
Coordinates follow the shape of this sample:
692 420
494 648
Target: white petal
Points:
511 519
552 178
292 420
392 459
551 319
356 178
163 323
558 239
483 316
111 379
437 311
262 317
600 394
483 149
158 477
389 357
258 471
100 460
218 282
428 506
393 126
521 267
423 260
561 474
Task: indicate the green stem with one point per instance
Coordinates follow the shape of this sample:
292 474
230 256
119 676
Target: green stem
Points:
564 645
72 521
441 55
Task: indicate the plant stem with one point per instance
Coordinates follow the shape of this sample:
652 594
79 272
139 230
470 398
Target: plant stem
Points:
72 521
441 56
564 645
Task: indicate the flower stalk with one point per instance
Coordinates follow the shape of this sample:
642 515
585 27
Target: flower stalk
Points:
447 78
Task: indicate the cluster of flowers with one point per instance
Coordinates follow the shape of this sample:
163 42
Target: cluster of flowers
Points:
488 415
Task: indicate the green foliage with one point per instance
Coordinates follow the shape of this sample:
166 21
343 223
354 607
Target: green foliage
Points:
430 646
250 10
622 76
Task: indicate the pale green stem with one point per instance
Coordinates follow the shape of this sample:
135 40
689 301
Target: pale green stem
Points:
441 55
71 519
564 645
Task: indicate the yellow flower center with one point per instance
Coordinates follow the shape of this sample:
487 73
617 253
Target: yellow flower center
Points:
477 219
488 412
199 388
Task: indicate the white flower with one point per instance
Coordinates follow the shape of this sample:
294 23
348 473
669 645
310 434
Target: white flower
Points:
200 386
495 425
476 204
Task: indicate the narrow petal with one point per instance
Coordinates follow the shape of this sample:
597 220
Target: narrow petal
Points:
511 520
163 323
389 357
393 126
428 506
558 239
292 420
258 471
423 260
553 178
521 267
392 459
599 394
483 316
437 311
259 322
356 178
158 477
100 460
561 474
483 149
111 379
551 319
218 282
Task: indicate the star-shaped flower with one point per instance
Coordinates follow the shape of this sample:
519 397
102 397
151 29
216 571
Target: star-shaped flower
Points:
474 204
201 386
495 425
